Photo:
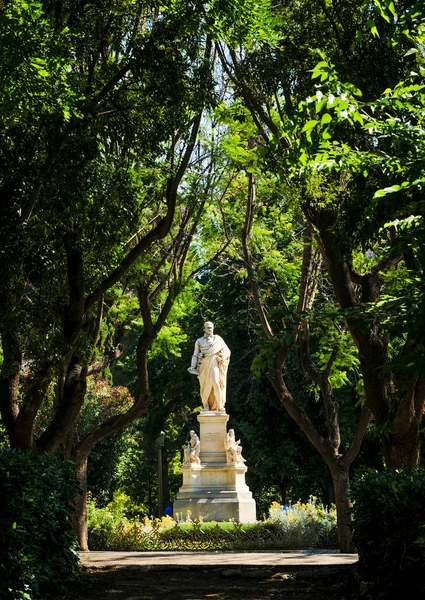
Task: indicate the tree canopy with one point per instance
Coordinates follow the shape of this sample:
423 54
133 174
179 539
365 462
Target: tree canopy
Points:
255 163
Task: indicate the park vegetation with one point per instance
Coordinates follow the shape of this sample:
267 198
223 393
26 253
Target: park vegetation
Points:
254 163
300 526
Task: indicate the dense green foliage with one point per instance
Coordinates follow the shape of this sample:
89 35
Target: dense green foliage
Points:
90 169
345 144
389 524
37 542
254 163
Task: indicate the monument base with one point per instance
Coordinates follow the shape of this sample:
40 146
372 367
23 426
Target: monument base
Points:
215 489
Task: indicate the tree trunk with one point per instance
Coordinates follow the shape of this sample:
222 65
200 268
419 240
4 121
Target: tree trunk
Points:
80 518
402 451
67 412
339 468
9 382
33 398
341 480
397 412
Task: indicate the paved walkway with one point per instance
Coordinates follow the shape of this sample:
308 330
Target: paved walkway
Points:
167 559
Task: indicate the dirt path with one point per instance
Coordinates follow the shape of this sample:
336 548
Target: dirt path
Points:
321 582
303 581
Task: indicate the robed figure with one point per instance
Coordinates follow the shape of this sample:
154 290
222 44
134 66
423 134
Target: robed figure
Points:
210 361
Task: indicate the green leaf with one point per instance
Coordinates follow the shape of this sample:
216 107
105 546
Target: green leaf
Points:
309 125
326 119
387 190
372 25
391 7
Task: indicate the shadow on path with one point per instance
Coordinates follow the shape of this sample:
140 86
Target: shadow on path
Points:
184 582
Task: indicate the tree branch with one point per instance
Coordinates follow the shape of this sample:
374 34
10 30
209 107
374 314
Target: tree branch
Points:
99 318
107 360
248 258
255 107
159 231
362 424
111 84
298 415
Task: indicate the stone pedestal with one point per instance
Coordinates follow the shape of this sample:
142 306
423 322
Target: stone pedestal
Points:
214 490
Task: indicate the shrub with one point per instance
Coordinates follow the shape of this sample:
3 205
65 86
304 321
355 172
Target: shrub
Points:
303 526
388 520
37 544
308 525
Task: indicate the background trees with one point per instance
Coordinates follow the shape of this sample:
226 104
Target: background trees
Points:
90 180
306 127
66 245
129 217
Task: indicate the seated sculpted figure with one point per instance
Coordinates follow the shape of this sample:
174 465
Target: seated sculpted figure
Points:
192 450
210 361
233 448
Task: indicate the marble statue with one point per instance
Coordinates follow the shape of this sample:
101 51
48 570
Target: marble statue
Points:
210 361
233 448
192 450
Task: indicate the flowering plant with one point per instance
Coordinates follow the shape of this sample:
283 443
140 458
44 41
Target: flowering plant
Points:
101 402
312 522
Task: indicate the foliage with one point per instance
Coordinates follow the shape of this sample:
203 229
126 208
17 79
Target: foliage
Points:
347 144
302 526
388 530
34 76
99 105
376 147
38 548
312 522
102 401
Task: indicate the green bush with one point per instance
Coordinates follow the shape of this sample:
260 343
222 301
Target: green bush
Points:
307 525
389 518
302 526
37 543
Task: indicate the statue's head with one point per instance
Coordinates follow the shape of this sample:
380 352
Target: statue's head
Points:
208 328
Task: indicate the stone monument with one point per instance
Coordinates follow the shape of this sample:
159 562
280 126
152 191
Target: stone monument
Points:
214 487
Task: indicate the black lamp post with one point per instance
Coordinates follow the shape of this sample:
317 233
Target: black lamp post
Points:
159 444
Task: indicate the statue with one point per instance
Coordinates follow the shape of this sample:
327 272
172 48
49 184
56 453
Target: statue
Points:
192 450
233 448
210 361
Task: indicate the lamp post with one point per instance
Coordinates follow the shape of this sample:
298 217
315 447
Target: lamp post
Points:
159 444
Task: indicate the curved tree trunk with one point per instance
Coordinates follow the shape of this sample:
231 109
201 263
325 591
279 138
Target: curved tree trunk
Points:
329 446
338 464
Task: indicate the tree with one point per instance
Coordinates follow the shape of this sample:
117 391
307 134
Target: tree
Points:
272 85
91 171
338 456
377 295
285 301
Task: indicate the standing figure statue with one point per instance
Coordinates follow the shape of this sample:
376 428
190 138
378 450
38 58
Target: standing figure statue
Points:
210 361
192 450
233 448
